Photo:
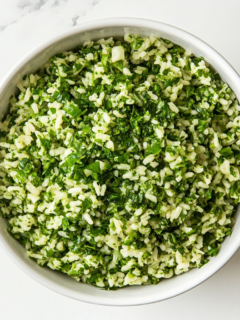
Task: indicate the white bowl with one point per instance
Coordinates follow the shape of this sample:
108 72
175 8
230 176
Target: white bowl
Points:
59 282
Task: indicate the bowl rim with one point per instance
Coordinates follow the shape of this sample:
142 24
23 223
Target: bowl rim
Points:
85 27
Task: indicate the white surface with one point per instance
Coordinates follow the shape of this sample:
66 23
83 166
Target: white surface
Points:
23 24
69 39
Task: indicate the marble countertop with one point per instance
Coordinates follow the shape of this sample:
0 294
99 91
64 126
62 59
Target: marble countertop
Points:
26 23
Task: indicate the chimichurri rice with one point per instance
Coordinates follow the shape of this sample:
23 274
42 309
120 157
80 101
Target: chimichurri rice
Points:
119 162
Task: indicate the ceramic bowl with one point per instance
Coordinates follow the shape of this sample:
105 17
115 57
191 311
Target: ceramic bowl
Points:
59 282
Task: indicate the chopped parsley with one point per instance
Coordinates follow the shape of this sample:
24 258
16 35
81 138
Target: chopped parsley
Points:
119 162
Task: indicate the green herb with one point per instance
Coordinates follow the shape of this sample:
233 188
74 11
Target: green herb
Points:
120 162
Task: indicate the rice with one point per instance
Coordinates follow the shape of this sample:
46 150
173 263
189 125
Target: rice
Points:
119 162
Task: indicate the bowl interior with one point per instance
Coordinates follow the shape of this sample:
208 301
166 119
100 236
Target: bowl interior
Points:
60 282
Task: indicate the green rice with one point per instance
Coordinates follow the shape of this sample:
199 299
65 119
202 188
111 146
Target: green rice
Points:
119 162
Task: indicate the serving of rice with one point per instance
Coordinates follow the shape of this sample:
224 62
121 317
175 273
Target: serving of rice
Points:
119 162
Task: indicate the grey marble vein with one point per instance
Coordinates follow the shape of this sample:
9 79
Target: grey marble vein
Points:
2 28
26 7
23 8
32 6
74 20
